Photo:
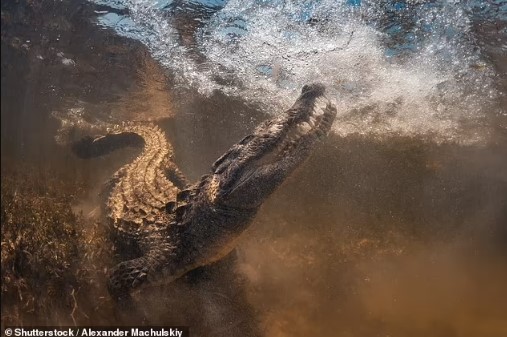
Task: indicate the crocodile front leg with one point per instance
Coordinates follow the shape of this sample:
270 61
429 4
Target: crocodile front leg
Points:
131 274
127 276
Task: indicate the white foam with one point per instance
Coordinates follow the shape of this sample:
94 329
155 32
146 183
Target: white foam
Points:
437 90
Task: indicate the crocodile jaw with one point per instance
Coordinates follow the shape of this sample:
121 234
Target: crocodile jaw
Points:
253 168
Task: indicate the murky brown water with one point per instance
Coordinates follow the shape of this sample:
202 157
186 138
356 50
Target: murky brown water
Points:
371 237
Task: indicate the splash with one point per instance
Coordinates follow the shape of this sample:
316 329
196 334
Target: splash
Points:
395 68
74 124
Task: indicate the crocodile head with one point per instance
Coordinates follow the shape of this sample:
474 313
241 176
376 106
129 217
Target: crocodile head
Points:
253 168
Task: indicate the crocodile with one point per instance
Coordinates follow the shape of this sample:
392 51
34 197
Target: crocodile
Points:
178 227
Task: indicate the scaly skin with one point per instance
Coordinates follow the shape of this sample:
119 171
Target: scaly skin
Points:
178 229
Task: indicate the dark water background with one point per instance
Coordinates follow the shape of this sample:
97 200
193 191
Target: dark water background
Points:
378 234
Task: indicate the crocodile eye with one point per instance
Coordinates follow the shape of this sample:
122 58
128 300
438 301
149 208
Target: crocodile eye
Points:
170 206
183 195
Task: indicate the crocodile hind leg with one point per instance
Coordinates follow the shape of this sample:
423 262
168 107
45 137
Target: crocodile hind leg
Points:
174 174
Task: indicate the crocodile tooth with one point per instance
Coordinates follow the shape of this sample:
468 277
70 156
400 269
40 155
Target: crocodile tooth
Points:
304 127
320 105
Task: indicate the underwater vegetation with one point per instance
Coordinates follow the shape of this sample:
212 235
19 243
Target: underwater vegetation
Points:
50 254
39 247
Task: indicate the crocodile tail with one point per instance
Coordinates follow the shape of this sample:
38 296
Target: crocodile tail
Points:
89 147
